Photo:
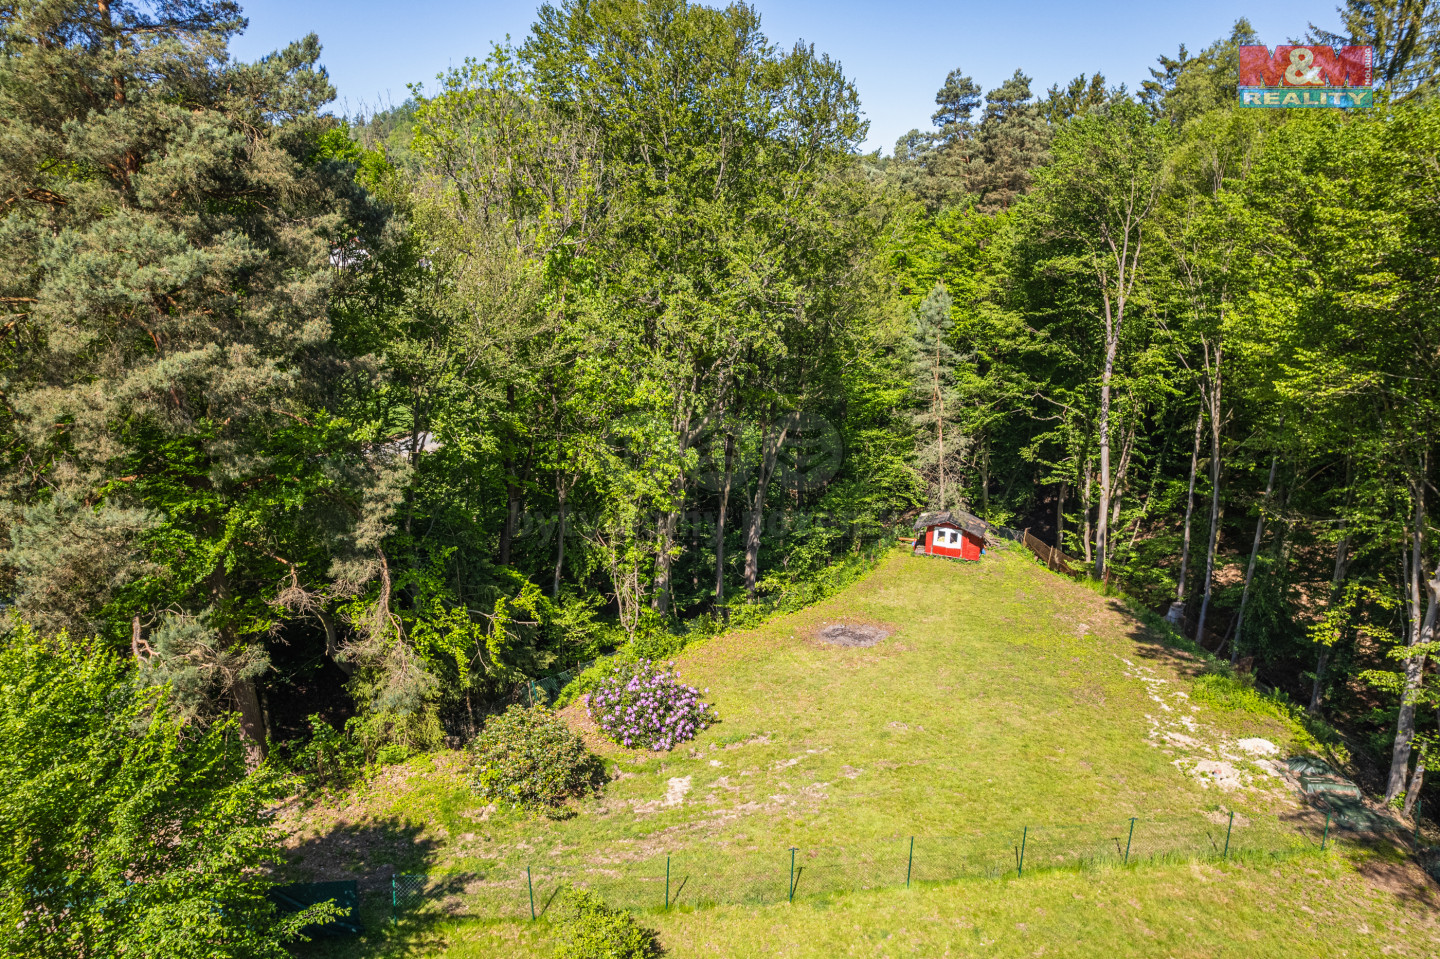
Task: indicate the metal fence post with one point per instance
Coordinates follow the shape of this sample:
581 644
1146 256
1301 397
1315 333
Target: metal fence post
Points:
1228 830
910 863
1128 838
1020 867
394 904
530 884
667 882
1326 834
792 874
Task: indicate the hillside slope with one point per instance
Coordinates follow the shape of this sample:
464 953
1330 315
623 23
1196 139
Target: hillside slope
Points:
1006 706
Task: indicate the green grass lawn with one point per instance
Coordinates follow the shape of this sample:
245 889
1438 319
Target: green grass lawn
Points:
1007 705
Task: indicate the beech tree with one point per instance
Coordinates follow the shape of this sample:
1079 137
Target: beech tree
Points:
125 830
1094 213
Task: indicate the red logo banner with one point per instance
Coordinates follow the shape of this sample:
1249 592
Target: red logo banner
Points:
1307 66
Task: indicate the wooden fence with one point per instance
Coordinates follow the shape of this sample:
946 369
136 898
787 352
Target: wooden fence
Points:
1054 558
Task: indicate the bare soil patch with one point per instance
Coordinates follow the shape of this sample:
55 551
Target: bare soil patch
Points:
851 634
577 717
1404 879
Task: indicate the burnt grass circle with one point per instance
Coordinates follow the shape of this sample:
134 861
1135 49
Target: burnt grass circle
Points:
851 634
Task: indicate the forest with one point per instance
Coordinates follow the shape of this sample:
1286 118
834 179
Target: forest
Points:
613 337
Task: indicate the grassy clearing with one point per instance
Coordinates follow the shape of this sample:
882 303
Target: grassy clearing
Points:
1006 697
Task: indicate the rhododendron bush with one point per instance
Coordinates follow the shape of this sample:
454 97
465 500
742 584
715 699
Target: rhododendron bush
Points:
528 757
643 705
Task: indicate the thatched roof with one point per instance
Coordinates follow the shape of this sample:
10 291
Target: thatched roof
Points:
969 522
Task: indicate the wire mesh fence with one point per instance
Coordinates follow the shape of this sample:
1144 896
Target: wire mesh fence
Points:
760 876
546 689
407 891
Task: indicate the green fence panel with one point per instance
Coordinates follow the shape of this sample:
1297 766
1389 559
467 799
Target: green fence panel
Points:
301 895
407 891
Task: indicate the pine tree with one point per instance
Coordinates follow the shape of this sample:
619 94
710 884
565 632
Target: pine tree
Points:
1406 38
939 445
1189 86
940 168
957 100
168 256
1079 96
1154 91
1012 140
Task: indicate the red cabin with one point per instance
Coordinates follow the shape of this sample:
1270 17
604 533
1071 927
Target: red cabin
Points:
953 533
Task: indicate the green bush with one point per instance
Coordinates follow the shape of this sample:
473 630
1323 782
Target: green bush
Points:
329 759
593 930
128 830
390 737
528 757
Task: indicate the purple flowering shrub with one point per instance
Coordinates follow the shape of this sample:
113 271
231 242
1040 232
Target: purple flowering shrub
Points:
643 705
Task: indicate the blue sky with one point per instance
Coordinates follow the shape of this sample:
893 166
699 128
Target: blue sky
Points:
898 54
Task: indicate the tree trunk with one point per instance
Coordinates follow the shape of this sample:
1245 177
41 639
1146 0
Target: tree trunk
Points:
332 643
1102 517
1118 493
769 456
1342 562
1086 503
138 646
1405 723
725 483
252 721
560 494
1060 518
1417 781
1415 665
1214 538
1189 508
1254 555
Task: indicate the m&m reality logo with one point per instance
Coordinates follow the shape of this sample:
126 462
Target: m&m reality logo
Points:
1307 76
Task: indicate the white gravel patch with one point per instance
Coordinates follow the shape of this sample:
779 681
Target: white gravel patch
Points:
1259 747
676 790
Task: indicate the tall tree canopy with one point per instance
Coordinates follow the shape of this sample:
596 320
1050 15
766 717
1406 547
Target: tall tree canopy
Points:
175 386
612 335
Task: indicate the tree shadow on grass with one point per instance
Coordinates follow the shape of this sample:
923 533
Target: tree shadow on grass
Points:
1388 863
1155 643
1382 851
372 854
426 935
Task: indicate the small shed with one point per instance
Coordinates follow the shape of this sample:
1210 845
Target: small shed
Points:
953 533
